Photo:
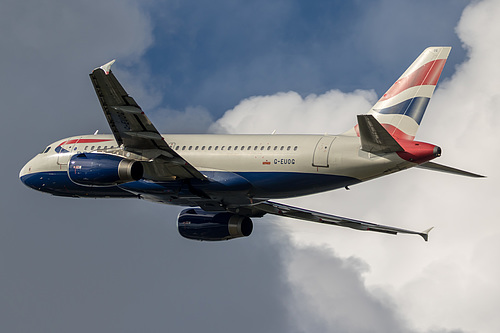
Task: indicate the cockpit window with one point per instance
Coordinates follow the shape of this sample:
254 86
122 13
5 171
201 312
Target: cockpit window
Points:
46 150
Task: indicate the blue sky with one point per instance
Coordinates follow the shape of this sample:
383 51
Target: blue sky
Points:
120 266
214 54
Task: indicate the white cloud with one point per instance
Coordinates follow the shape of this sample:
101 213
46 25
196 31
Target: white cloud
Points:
445 284
290 113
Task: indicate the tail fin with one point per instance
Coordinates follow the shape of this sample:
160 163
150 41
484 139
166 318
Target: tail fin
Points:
401 109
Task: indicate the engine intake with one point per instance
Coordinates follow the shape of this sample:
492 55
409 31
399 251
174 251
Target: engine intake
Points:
92 169
195 223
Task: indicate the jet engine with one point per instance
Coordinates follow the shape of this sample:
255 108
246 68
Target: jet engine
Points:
93 169
195 223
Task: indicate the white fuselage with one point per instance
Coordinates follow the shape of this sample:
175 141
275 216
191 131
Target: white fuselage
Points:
264 166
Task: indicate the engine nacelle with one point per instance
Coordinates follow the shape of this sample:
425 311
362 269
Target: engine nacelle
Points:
92 169
195 223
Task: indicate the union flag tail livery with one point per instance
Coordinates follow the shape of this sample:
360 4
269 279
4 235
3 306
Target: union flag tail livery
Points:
401 109
228 179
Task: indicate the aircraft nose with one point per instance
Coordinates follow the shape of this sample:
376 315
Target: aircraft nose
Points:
24 171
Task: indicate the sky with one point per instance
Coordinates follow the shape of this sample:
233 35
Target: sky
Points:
110 265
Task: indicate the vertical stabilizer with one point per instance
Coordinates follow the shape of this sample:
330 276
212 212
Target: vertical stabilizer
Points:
401 109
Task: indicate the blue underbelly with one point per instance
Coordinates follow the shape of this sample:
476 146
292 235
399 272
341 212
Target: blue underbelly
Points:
58 183
291 184
220 184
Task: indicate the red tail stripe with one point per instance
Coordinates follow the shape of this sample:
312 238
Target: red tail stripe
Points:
426 75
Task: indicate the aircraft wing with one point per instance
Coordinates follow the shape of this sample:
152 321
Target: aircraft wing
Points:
131 127
309 215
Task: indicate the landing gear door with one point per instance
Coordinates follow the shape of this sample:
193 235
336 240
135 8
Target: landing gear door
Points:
322 150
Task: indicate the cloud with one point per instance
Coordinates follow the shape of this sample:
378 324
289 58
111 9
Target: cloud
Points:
329 293
290 113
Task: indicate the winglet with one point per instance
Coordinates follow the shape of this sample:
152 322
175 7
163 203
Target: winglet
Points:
425 234
107 67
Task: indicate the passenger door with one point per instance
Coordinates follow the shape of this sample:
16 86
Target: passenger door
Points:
322 150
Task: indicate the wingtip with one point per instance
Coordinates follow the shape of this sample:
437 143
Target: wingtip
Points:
106 67
425 234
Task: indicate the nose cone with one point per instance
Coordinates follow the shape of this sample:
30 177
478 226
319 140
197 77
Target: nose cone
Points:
27 174
24 171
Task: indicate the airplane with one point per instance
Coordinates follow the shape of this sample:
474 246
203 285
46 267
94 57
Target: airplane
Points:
226 180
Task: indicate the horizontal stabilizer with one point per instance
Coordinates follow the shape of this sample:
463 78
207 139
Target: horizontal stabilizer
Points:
374 137
447 169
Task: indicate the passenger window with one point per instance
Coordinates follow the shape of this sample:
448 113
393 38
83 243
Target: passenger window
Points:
261 147
288 148
229 148
99 147
183 147
255 148
74 148
235 147
268 147
86 147
177 148
222 148
92 148
105 147
190 147
295 148
249 148
275 147
209 147
242 147
216 147
203 148
282 147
